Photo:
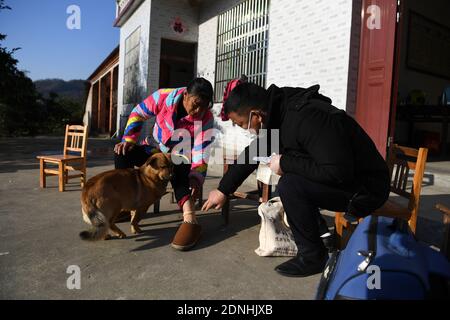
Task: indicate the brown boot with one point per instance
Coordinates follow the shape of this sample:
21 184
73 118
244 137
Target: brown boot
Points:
187 236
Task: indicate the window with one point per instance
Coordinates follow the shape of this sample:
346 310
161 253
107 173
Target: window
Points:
132 91
242 42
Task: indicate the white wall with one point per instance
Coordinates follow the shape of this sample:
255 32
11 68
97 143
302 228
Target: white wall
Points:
207 37
309 43
140 18
164 13
158 25
232 137
207 48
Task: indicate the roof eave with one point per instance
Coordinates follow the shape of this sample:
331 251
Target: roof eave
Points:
114 55
127 12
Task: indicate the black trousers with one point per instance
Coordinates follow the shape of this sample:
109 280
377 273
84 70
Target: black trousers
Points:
137 157
302 199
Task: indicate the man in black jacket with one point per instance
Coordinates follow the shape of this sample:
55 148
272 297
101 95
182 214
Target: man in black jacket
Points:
326 161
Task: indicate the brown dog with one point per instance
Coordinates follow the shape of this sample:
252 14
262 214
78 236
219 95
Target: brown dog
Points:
107 194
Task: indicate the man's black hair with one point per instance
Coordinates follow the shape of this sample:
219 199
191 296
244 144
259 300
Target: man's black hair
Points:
245 97
201 88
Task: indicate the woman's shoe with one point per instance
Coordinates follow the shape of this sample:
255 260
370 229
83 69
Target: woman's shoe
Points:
187 236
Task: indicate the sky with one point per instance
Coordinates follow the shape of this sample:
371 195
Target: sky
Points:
49 48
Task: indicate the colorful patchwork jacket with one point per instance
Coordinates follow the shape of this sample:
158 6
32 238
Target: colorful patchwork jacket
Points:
163 105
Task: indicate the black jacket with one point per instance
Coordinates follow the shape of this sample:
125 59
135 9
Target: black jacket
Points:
323 144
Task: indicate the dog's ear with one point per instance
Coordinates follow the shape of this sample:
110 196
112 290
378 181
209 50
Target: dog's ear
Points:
153 162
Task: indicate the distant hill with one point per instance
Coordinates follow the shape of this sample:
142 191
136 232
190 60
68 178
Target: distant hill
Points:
74 89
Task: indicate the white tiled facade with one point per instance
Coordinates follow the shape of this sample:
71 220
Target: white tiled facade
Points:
207 40
163 13
310 42
232 137
140 18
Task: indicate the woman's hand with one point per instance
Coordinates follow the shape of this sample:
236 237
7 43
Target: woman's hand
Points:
195 188
123 148
275 164
216 199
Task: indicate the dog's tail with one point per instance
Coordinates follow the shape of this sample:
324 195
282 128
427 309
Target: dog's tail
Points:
100 225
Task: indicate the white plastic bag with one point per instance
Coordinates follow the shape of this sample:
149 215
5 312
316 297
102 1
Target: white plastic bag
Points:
266 176
275 236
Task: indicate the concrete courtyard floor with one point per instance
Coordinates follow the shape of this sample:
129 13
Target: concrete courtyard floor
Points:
39 240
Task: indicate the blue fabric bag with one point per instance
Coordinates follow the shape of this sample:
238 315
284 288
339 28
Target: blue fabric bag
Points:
383 261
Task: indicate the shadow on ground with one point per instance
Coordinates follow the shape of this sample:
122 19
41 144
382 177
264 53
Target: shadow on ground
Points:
155 235
20 153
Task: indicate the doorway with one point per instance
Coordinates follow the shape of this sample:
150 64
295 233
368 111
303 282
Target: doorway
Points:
403 71
419 113
177 64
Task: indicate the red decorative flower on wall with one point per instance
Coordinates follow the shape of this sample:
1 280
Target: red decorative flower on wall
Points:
178 26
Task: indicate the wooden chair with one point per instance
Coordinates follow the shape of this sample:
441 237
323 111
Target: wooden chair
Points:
72 159
445 247
400 161
262 195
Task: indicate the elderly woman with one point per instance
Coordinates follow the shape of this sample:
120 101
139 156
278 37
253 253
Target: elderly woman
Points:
182 108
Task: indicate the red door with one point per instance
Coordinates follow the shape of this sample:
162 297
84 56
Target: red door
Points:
376 65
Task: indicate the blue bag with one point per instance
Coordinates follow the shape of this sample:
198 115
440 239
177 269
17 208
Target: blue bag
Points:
383 260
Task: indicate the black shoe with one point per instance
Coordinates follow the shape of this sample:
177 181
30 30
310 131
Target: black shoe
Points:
303 266
330 242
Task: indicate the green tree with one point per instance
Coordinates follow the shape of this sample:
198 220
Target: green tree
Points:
19 112
23 111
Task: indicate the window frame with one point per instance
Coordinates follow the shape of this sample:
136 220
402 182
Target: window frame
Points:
242 44
131 69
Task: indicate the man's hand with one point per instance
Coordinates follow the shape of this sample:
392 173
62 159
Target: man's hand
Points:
216 199
275 164
123 147
195 188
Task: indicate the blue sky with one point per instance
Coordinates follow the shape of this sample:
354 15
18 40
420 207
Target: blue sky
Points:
49 48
